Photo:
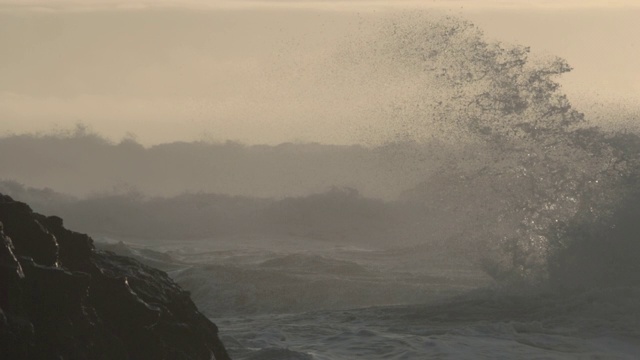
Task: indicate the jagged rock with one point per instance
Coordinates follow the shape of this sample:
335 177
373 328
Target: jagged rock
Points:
60 298
33 238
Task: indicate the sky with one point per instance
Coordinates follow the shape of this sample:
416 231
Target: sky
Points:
269 71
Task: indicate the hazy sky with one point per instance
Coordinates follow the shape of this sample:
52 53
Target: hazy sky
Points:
270 71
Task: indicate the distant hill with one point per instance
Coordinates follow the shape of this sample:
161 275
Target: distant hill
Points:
84 163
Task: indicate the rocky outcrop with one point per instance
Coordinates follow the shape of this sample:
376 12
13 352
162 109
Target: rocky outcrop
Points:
60 298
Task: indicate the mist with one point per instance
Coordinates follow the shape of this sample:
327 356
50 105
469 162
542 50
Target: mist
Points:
349 179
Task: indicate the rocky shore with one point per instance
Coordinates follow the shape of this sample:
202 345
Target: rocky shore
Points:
60 298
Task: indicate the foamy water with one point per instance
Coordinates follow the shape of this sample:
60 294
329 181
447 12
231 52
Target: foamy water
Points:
301 299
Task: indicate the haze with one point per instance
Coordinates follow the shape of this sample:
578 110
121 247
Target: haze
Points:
268 72
327 180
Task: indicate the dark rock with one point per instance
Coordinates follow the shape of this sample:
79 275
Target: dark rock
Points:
60 298
75 249
34 239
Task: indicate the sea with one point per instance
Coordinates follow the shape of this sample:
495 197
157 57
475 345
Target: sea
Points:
296 298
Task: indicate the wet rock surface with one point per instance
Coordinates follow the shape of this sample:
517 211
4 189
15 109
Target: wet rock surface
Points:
60 298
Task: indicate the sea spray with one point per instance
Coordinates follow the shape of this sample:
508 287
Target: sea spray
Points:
544 170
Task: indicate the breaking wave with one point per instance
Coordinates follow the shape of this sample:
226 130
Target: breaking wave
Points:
551 196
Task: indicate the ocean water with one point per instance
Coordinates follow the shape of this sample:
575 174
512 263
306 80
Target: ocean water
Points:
296 298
